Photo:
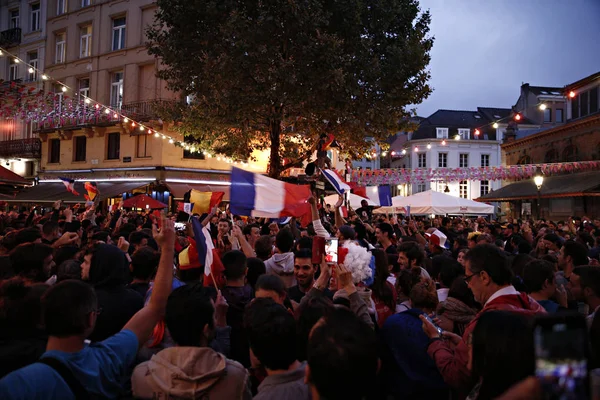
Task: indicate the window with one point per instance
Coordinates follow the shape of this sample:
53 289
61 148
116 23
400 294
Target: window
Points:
570 154
80 148
422 160
61 43
116 90
58 98
61 7
441 133
593 100
54 151
464 133
13 70
485 160
84 88
85 41
548 115
114 146
575 107
484 188
85 3
32 59
463 160
442 160
143 146
558 117
551 156
463 189
35 17
421 187
14 19
583 104
118 33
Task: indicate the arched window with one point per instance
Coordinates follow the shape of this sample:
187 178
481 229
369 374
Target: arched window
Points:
551 156
570 153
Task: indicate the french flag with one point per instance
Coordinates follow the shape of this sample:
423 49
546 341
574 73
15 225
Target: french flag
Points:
70 185
260 196
336 181
207 254
380 195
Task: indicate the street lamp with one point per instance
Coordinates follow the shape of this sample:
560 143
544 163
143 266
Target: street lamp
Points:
538 179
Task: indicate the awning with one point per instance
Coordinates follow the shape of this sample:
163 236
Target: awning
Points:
571 185
9 177
49 192
179 189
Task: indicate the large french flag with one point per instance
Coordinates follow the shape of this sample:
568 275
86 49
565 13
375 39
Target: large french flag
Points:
260 196
380 195
204 245
336 181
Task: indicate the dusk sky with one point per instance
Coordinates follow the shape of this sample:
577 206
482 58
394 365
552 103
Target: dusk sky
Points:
485 49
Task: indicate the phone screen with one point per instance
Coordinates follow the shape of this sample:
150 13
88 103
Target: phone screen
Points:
440 330
561 356
331 250
180 226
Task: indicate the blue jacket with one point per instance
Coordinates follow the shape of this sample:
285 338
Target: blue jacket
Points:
408 371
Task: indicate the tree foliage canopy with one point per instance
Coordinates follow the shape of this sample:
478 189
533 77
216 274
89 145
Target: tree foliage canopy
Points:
262 72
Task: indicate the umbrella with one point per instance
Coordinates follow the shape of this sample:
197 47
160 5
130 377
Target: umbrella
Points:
143 201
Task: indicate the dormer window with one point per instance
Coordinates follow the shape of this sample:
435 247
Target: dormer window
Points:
464 133
442 133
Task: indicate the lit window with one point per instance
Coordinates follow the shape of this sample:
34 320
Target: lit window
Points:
118 33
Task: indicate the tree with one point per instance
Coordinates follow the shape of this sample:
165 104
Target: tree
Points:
273 74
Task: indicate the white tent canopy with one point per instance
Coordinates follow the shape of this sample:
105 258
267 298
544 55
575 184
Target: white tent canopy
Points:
432 202
353 199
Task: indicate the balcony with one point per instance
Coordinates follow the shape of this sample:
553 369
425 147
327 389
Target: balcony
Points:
10 37
21 148
144 110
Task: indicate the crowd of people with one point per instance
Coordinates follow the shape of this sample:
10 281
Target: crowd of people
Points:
98 304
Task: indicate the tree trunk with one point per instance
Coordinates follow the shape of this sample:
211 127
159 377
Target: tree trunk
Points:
274 158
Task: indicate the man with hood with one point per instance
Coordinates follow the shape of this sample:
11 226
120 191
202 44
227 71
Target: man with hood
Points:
489 278
191 369
282 262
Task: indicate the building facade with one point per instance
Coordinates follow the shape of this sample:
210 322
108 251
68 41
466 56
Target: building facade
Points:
577 140
23 33
105 82
455 139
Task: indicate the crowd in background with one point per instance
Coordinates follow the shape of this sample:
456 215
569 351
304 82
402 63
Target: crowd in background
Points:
97 304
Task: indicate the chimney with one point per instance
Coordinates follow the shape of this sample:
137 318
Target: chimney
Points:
511 133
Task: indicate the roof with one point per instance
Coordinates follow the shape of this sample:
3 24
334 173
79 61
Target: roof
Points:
583 82
494 114
453 119
544 90
569 185
7 176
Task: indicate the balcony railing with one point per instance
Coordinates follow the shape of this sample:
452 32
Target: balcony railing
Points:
51 123
144 110
21 148
10 37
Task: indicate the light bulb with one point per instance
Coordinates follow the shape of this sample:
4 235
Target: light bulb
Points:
477 132
495 125
403 151
444 142
416 149
16 61
571 94
171 141
87 101
164 137
142 128
543 106
218 158
429 146
64 88
116 115
132 124
208 155
31 70
107 111
156 134
45 77
126 120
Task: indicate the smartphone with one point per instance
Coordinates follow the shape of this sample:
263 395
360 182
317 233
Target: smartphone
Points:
318 249
428 318
561 356
180 226
331 250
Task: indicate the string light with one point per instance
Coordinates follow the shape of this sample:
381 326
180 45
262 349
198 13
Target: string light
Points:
543 106
416 149
107 110
571 94
403 151
495 125
517 117
428 146
444 142
477 132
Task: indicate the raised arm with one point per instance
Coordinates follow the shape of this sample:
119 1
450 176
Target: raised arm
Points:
143 322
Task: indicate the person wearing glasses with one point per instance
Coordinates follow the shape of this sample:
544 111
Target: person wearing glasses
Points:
488 276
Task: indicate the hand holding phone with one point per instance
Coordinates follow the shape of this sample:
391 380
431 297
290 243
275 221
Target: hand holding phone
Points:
428 318
331 250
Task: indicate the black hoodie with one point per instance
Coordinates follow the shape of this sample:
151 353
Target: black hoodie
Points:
108 272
